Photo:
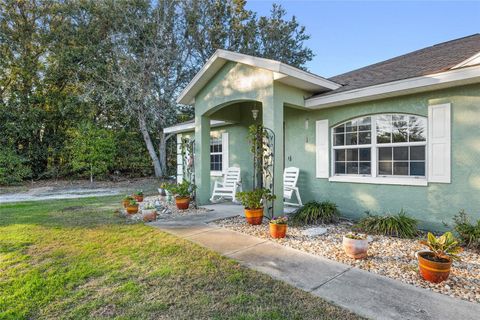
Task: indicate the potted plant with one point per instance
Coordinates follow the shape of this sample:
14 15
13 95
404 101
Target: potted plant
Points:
435 264
149 212
126 200
162 190
252 202
182 192
278 227
355 245
132 207
138 196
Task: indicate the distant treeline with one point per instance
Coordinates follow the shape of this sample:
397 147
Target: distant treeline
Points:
87 86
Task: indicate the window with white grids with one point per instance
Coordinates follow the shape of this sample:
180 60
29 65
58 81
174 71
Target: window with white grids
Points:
216 154
386 145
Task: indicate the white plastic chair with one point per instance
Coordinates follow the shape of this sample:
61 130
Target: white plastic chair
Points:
290 179
227 188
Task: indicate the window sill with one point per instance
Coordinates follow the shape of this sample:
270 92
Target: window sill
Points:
380 180
216 173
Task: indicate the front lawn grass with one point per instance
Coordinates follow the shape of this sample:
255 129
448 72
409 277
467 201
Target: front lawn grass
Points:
76 259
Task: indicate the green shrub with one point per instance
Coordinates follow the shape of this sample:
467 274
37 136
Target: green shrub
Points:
316 212
92 150
397 225
469 233
12 167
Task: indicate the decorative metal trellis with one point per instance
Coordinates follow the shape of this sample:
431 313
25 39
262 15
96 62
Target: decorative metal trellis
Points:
187 150
263 149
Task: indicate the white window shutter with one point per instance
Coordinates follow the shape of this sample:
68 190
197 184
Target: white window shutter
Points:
322 154
179 159
439 143
225 161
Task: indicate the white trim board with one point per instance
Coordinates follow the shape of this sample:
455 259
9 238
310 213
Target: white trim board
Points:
441 80
284 73
190 126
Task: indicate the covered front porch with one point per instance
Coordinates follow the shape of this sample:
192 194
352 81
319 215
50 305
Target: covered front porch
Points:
241 90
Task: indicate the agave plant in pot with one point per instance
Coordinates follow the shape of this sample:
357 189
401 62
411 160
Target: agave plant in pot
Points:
252 202
182 192
355 245
149 212
278 227
435 264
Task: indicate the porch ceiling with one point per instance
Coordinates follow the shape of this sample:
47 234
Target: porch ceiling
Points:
282 73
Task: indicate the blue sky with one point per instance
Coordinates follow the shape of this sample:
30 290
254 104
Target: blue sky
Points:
347 35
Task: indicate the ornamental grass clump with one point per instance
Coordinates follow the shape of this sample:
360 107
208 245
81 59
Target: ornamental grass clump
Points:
397 225
468 232
314 212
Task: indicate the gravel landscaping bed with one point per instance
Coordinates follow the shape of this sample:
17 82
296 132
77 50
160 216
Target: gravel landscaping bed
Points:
165 209
388 256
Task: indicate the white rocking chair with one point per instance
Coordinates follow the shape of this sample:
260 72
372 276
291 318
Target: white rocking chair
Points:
227 188
290 179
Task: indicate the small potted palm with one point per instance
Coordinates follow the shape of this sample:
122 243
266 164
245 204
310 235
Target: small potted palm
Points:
182 192
435 264
355 245
278 227
126 200
138 196
132 207
252 202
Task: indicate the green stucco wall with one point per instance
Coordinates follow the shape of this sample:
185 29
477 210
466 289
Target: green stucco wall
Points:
434 204
230 95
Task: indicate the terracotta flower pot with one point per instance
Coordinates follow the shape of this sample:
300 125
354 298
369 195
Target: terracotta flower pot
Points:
125 203
355 248
132 209
149 215
138 198
433 271
278 230
182 202
254 216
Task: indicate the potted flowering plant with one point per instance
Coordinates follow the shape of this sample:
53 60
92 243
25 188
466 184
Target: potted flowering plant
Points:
435 264
182 192
278 226
355 245
162 189
149 212
252 202
126 200
132 207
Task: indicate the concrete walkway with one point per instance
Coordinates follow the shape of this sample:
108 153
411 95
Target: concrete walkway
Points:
364 293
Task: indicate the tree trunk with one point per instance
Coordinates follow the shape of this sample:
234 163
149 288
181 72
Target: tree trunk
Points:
162 151
151 150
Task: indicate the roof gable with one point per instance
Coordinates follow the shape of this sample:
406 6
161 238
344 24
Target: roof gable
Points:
282 73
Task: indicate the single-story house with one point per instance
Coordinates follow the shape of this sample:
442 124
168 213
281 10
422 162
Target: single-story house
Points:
399 134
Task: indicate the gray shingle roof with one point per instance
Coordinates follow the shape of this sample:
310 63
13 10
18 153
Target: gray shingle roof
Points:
430 60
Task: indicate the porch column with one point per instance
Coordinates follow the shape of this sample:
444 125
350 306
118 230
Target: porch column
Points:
202 158
273 119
